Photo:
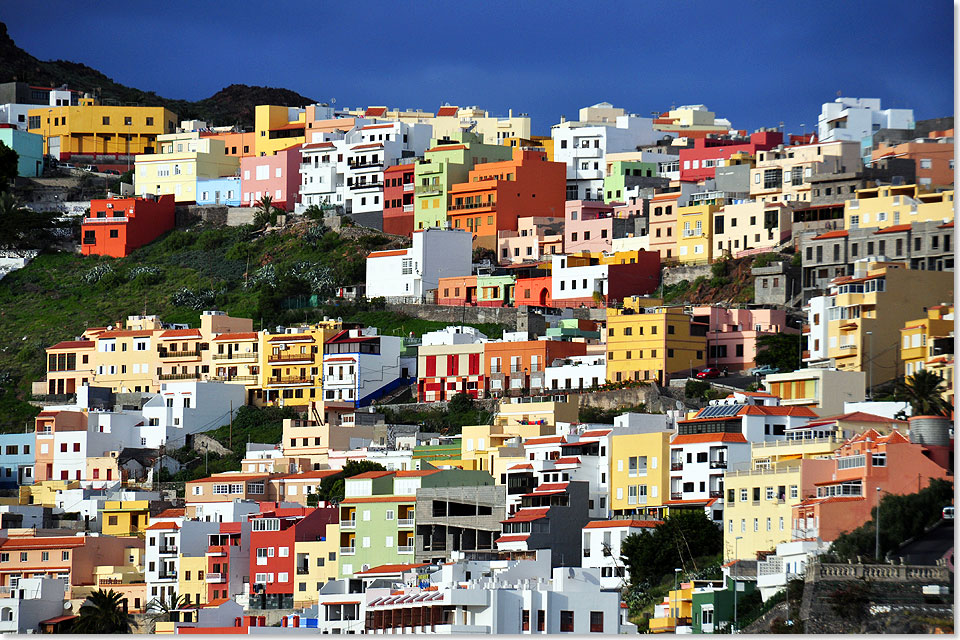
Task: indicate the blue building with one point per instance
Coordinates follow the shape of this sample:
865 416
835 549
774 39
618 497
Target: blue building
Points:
29 146
224 191
17 458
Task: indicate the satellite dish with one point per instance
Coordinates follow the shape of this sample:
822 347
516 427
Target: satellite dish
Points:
67 605
679 406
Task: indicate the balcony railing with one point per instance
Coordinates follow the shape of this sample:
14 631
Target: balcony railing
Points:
302 571
405 522
180 354
586 553
364 165
472 205
424 189
348 524
676 495
405 549
109 581
105 220
179 376
290 357
348 551
234 378
357 186
407 208
169 548
216 578
676 466
718 464
408 186
236 356
168 575
290 380
716 494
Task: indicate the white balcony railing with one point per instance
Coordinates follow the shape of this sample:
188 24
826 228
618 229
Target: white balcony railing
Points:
348 524
405 549
348 551
405 522
216 578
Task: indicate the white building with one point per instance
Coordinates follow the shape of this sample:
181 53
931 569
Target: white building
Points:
577 373
188 407
360 366
476 597
167 539
32 600
583 146
787 564
602 551
856 118
414 273
452 335
570 283
697 464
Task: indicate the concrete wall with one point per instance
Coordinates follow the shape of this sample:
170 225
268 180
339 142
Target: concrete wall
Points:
673 275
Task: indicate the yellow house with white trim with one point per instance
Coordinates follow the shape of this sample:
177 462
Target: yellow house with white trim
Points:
639 473
317 562
182 158
695 232
889 205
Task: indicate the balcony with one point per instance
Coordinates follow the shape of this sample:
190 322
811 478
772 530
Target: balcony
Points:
217 551
168 575
348 551
408 186
405 549
357 186
408 208
302 571
366 165
236 356
290 380
716 494
348 524
180 354
405 522
106 582
428 189
179 376
676 466
473 205
676 495
718 464
114 220
216 578
234 378
290 357
168 549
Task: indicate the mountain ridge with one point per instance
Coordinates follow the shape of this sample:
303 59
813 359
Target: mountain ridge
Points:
231 105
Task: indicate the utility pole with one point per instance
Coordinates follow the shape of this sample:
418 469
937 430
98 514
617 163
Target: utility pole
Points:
231 425
877 526
870 366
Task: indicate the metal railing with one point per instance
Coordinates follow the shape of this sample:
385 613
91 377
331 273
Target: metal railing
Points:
356 186
676 466
290 380
250 355
718 464
472 205
423 189
348 524
348 551
195 353
676 495
168 548
105 220
289 357
405 522
234 378
216 578
302 571
364 165
407 208
179 376
405 549
408 186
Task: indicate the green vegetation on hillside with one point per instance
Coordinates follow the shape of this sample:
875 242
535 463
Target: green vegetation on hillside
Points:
238 270
461 411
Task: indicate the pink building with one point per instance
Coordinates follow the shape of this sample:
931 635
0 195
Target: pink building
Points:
732 336
277 176
535 238
863 464
588 226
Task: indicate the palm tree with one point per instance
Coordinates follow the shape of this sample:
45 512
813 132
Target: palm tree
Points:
162 607
266 212
104 612
923 390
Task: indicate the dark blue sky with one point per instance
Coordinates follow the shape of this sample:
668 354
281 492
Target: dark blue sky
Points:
754 63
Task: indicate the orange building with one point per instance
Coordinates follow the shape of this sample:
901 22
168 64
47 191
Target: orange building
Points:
865 463
496 194
934 159
118 226
240 144
69 366
56 458
515 367
662 222
70 558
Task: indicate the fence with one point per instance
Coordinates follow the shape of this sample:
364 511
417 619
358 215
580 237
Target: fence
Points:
878 572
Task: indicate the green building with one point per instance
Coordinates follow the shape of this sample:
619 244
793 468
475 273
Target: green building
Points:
377 514
494 291
446 163
615 183
711 606
570 328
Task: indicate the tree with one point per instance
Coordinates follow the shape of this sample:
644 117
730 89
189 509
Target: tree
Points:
332 487
923 390
683 537
161 608
266 212
24 228
8 166
104 612
781 350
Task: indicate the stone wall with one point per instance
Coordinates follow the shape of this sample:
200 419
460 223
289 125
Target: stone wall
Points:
454 315
238 216
673 275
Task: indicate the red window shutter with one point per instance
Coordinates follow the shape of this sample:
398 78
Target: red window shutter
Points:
453 365
431 366
474 364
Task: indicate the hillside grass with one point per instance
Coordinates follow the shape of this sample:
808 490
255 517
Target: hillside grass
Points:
237 270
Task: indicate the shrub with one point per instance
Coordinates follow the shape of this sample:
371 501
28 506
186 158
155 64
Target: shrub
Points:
696 389
765 259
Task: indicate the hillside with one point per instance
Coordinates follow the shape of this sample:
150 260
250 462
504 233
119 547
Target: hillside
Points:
232 105
238 270
731 282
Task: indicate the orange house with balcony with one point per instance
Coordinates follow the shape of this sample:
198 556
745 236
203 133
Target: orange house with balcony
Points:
513 367
865 463
496 194
117 226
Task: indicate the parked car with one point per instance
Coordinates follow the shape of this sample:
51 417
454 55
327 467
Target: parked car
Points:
764 370
92 168
112 172
948 513
709 372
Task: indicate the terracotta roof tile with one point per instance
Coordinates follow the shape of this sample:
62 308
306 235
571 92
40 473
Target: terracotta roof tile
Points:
448 111
528 514
520 537
392 568
240 335
370 499
181 333
73 344
898 228
838 233
609 524
694 438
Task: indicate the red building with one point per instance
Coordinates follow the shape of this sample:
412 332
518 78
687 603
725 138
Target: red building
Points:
534 292
273 537
398 199
116 227
700 162
228 560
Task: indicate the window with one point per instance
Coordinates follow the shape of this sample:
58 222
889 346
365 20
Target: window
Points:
596 622
566 621
541 620
525 620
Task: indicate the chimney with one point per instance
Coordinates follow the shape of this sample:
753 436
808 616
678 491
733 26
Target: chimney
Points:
509 113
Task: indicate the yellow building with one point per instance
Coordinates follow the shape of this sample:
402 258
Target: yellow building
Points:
536 143
180 161
481 444
888 206
695 232
760 499
125 518
919 349
316 564
278 128
652 345
45 493
191 579
639 473
91 129
675 610
878 299
751 225
783 174
450 121
291 365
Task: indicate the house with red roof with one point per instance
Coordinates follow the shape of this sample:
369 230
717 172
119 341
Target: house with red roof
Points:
602 540
697 464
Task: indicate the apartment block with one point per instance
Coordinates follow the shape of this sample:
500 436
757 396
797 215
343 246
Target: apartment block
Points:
179 161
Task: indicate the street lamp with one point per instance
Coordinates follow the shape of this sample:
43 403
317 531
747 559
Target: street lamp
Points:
736 555
877 526
870 366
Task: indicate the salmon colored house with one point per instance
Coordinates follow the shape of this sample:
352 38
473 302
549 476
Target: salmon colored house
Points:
398 199
866 467
534 292
662 222
242 144
496 194
49 425
514 367
118 226
277 176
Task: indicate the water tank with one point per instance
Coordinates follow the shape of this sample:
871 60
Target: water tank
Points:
930 430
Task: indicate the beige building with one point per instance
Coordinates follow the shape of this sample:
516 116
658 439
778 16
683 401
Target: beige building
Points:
751 225
317 562
890 206
823 390
783 174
